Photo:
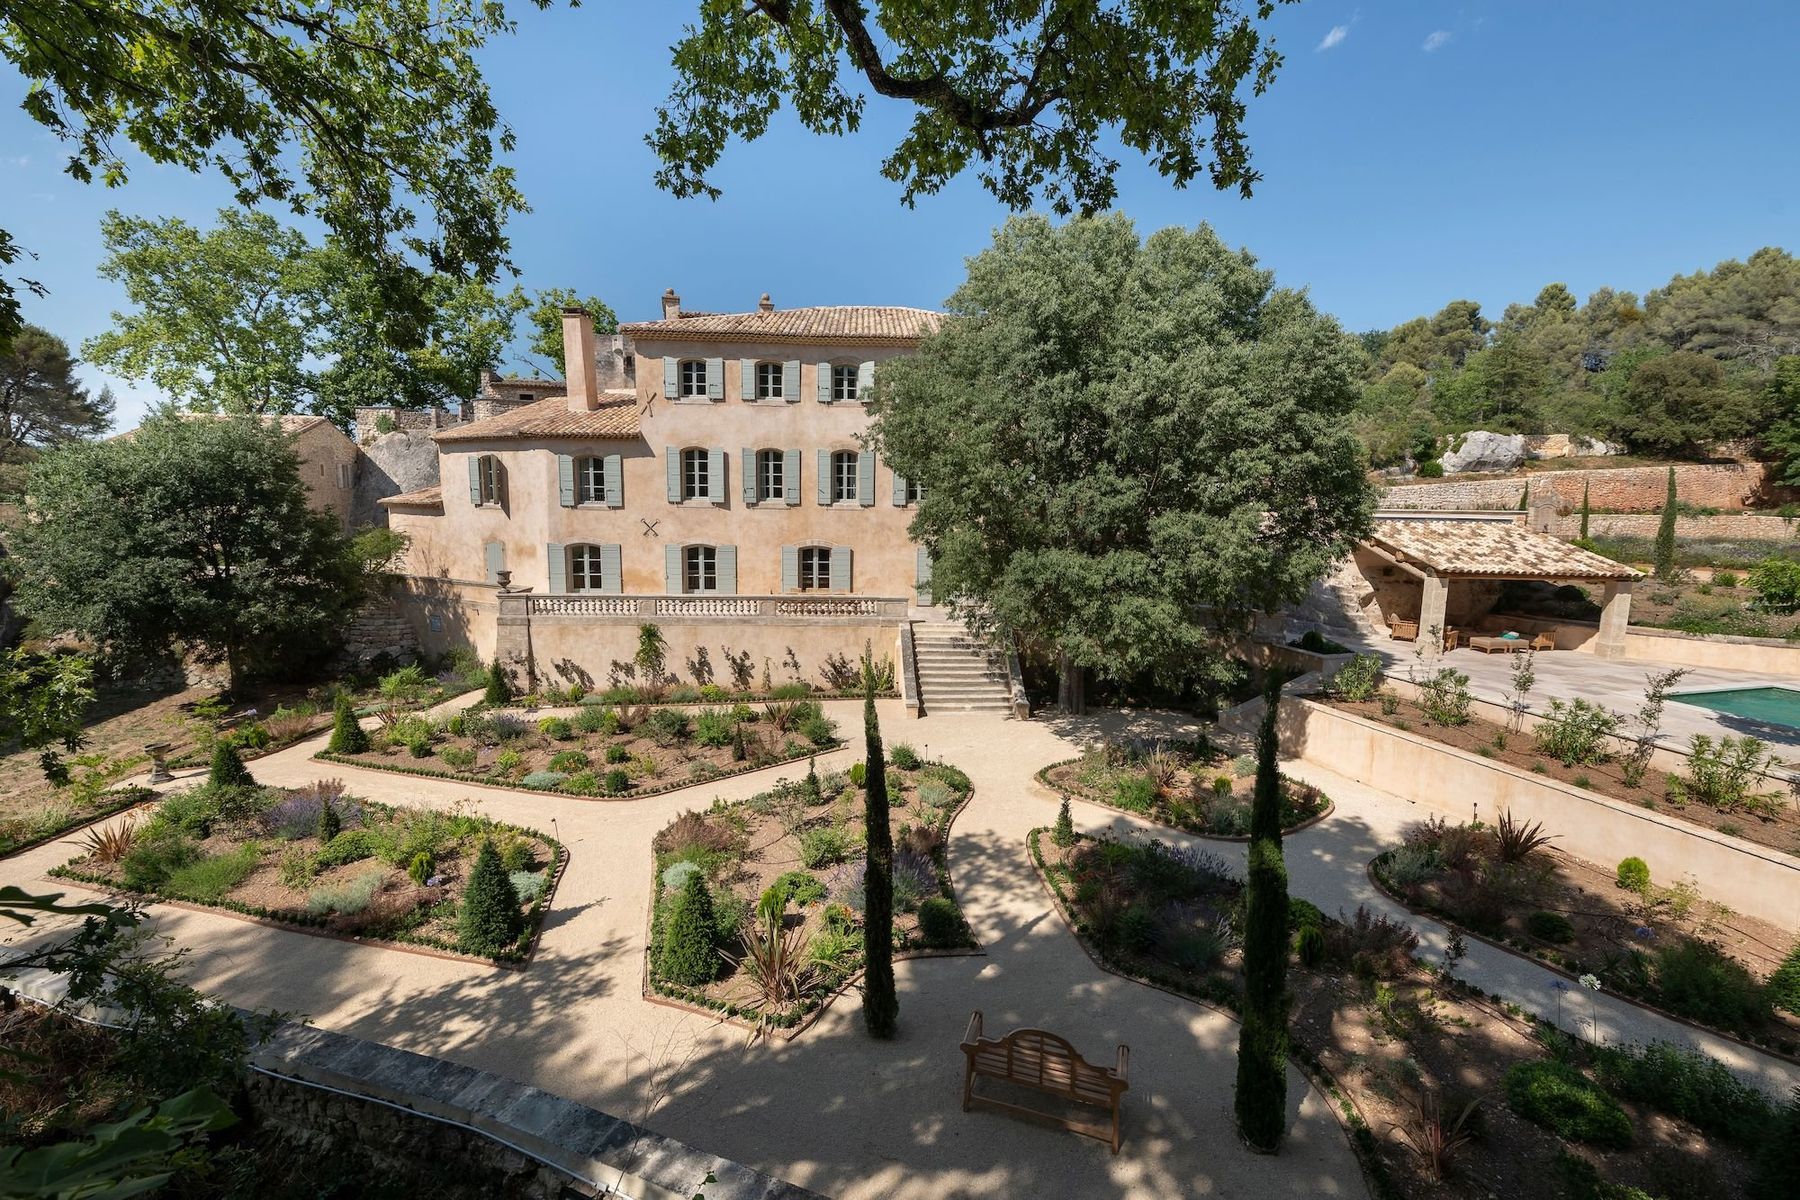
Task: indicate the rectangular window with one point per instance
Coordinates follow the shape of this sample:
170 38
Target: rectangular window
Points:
696 479
590 481
490 478
693 379
915 491
815 568
768 381
584 569
700 569
843 383
843 477
771 475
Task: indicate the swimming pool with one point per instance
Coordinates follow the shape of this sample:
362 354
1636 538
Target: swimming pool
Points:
1772 705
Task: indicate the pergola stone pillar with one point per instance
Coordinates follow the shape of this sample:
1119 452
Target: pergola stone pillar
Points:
1615 615
512 635
1433 602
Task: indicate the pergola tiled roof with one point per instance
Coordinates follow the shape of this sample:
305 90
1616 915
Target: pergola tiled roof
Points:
1489 549
849 323
615 419
431 497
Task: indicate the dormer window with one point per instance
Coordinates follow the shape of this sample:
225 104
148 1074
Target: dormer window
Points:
769 381
693 379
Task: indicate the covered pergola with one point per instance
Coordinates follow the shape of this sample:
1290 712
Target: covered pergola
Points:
1492 548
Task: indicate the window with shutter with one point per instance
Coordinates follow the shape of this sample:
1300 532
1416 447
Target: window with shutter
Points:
840 568
587 569
556 559
771 381
672 458
671 568
814 569
693 379
565 480
671 378
494 554
865 479
770 471
844 382
865 379
790 381
843 476
715 379
790 568
696 475
715 475
726 558
746 379
613 480
611 573
791 476
700 569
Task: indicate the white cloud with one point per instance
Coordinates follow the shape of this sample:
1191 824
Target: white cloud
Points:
1338 34
1436 41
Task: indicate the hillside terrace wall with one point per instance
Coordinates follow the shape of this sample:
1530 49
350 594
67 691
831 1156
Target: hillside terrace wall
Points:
1724 527
1621 489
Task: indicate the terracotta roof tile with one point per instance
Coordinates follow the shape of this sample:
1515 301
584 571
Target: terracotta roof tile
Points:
1492 548
431 497
616 418
835 323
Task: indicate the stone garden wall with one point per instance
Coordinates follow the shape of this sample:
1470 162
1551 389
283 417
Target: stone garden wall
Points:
1623 489
1725 527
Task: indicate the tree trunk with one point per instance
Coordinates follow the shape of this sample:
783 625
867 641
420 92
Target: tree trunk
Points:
1071 685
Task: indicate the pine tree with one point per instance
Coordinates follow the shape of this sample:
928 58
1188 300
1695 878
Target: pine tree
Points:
347 734
1584 512
688 952
1665 534
499 691
489 923
228 769
1261 1094
1064 832
881 1005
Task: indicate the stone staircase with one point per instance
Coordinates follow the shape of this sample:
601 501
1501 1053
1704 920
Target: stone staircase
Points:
957 672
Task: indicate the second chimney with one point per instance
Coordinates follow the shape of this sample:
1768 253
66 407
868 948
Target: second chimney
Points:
671 304
580 370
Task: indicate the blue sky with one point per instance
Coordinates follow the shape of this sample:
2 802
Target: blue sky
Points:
1412 153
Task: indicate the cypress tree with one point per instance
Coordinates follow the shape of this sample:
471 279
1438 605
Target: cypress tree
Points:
228 769
347 734
881 1006
1584 512
1261 1093
499 691
688 952
1064 832
329 822
489 922
1665 534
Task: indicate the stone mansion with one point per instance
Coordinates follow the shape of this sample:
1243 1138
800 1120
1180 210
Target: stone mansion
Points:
705 472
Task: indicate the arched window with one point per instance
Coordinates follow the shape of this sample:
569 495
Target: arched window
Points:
843 476
693 379
585 571
696 475
771 475
700 569
815 568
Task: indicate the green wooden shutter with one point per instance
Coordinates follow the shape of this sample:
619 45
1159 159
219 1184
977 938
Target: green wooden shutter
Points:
715 475
671 377
672 569
565 479
747 468
790 475
715 379
500 480
475 480
840 568
865 479
824 477
726 561
899 490
824 383
790 381
559 582
495 553
672 455
612 479
610 569
790 568
865 379
922 572
746 379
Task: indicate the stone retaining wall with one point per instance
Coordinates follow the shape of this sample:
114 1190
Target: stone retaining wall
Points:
1725 527
1624 489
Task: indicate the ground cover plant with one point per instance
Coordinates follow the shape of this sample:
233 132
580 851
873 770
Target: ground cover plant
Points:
1582 744
318 858
1189 785
1656 941
1421 1066
598 749
758 905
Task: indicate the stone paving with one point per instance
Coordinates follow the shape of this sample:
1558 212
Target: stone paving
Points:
832 1110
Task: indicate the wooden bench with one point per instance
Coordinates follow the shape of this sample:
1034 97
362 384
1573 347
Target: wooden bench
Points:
1404 630
1037 1059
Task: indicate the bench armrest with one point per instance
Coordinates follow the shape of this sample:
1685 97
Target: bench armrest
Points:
1124 1063
974 1034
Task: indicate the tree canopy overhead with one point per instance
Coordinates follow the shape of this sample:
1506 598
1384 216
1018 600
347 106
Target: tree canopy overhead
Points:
1125 446
370 115
1028 93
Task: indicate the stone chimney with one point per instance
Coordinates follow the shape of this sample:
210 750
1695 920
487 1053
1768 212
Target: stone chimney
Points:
671 305
579 368
765 304
484 385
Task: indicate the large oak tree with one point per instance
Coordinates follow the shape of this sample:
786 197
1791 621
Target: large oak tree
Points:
1127 446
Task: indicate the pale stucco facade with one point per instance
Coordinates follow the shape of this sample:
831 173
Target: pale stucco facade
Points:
604 493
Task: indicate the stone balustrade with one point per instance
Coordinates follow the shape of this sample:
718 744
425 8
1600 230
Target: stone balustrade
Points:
685 608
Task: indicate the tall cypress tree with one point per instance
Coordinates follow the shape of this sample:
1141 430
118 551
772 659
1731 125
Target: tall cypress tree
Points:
1261 1096
1584 512
1665 534
881 1006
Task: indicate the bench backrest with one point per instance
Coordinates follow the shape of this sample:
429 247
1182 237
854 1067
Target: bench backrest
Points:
1039 1058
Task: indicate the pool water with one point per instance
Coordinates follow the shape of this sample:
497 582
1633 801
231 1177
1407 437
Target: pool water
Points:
1774 705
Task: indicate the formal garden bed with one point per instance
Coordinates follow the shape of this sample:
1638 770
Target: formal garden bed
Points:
1656 943
1587 746
319 860
593 750
1188 785
757 906
1447 1093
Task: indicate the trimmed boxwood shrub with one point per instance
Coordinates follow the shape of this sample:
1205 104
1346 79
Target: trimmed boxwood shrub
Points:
939 922
858 772
1564 1101
688 953
228 769
489 921
499 689
1634 875
1550 927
